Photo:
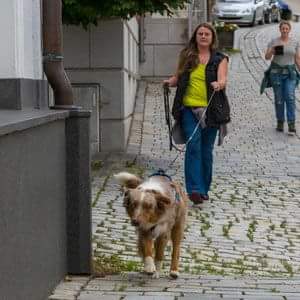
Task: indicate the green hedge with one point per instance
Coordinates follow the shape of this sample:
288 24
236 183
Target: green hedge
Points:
85 12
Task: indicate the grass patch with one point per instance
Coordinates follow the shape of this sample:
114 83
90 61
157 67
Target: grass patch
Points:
96 165
134 168
109 265
288 267
251 230
283 224
226 229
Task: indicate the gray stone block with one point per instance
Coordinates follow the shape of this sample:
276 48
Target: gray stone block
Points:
97 296
111 98
200 296
168 54
20 93
178 31
33 206
79 252
107 44
157 32
114 135
161 297
147 67
76 47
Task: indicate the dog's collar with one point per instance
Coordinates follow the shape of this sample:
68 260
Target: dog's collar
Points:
161 172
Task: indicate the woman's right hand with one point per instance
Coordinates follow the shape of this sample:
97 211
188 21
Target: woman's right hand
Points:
166 83
171 82
269 53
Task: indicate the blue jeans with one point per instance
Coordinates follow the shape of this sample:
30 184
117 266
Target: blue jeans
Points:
284 92
199 154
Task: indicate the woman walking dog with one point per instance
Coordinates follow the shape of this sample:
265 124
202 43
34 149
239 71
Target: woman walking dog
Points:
200 78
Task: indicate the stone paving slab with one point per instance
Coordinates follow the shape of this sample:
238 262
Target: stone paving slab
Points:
97 296
244 243
128 286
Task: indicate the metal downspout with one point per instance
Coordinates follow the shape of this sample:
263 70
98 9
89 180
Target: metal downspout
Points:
53 54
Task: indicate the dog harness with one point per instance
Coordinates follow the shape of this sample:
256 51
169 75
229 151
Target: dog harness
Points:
161 172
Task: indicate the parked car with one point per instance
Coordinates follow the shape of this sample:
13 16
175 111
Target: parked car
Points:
283 5
286 11
272 11
239 11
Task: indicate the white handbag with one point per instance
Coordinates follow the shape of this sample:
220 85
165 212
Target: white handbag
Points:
177 134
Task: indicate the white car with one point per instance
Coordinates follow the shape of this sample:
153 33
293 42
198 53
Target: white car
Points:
239 11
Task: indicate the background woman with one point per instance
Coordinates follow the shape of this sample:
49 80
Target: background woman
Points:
201 70
284 53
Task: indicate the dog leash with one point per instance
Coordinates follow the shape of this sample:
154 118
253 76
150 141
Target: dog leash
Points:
169 123
168 115
163 172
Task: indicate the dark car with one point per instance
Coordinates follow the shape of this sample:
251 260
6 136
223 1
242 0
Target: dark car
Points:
286 12
282 4
272 11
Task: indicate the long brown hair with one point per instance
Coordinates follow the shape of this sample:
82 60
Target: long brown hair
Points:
188 58
285 22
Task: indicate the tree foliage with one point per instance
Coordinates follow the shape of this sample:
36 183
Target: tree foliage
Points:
85 12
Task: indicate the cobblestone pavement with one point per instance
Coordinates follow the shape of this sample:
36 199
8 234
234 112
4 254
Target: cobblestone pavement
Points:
243 243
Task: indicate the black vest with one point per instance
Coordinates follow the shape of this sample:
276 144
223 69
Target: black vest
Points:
218 111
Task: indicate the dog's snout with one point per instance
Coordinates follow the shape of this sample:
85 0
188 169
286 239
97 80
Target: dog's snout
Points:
135 222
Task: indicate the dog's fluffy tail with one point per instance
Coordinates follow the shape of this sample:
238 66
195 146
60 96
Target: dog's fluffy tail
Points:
128 180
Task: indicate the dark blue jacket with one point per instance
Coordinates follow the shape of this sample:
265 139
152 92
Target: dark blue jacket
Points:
218 111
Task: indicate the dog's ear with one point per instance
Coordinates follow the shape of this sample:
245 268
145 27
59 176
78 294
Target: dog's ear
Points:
162 201
128 180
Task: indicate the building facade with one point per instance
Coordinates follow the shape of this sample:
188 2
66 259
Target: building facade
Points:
40 153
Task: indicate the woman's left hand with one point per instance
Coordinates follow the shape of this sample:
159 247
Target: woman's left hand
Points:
216 86
220 83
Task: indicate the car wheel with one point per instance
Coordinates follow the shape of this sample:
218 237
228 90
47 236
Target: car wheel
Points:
262 20
254 19
268 18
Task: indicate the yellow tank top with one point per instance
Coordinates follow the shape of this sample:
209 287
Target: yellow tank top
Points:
196 94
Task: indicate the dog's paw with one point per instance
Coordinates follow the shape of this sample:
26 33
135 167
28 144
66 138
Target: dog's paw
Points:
149 266
158 265
156 275
174 274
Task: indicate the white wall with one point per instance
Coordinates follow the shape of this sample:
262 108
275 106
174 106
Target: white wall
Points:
20 31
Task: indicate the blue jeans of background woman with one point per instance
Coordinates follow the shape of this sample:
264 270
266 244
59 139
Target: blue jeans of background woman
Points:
199 154
284 93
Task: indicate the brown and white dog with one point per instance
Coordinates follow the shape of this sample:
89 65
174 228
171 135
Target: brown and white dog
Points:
157 208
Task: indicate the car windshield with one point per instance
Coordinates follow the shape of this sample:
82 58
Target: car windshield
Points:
235 1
